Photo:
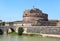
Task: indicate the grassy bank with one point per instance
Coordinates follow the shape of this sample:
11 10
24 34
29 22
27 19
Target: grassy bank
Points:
32 34
14 33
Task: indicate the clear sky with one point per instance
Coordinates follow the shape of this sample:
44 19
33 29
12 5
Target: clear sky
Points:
12 10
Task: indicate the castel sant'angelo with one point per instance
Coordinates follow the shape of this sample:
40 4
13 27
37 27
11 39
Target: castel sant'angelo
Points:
34 21
38 18
35 17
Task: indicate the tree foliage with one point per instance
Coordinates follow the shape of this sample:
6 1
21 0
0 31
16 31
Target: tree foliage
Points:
1 32
3 23
20 30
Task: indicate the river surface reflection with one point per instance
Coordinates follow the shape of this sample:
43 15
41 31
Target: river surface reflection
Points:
26 38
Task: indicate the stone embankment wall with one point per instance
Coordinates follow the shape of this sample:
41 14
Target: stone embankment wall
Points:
43 29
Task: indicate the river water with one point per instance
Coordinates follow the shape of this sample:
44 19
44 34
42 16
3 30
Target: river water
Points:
26 38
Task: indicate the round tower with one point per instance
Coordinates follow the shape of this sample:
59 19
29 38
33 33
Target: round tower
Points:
34 14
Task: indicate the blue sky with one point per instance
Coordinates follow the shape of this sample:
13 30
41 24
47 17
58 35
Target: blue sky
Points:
12 10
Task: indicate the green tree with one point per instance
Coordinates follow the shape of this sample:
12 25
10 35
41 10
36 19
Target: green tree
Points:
3 23
20 30
1 32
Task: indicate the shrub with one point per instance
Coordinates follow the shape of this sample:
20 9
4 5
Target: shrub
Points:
3 23
1 32
20 30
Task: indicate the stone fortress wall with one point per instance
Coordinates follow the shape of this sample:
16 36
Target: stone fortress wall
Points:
43 29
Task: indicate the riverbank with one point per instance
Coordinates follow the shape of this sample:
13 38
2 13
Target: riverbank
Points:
50 35
36 34
46 35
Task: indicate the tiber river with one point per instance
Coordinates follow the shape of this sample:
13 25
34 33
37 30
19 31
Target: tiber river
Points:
26 38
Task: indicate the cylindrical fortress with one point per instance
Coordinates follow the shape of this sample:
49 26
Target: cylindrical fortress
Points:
34 14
